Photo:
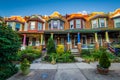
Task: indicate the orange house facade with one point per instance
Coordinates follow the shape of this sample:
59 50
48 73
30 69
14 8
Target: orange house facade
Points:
75 31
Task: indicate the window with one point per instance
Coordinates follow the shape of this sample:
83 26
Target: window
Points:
32 26
49 25
55 24
72 24
117 23
10 24
17 26
78 23
84 39
102 22
94 24
61 24
39 26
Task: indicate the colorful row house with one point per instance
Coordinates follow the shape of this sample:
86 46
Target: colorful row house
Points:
75 31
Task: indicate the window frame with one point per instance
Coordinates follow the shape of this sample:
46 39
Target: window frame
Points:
79 20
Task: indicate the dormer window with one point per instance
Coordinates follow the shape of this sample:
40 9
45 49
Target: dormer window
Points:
117 23
72 24
10 24
32 26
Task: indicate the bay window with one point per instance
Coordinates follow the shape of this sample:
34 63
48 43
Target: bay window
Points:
117 23
56 24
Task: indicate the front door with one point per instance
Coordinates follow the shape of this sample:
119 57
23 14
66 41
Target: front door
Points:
75 41
84 39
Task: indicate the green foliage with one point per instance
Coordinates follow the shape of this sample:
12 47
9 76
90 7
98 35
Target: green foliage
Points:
9 45
50 46
85 53
60 49
29 53
24 66
104 61
65 57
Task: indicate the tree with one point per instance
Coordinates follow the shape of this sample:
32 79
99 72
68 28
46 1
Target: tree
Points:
50 46
9 46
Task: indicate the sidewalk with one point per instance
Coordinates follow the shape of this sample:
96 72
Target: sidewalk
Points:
68 71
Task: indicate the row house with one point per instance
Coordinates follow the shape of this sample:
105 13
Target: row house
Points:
75 31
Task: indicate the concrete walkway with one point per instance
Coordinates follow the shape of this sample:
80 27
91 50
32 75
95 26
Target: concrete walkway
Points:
68 71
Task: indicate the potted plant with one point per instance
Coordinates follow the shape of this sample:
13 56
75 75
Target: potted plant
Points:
104 63
25 66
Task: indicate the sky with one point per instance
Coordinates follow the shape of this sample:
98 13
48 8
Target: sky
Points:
47 7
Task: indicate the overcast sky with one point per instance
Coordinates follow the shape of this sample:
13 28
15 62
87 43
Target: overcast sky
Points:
47 7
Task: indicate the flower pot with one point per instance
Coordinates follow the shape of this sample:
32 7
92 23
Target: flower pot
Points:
102 70
26 71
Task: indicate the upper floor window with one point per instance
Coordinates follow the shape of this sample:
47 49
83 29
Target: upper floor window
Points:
32 26
117 23
78 23
102 22
72 24
10 24
56 24
39 26
17 26
94 24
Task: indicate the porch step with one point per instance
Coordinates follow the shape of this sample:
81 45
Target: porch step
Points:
75 52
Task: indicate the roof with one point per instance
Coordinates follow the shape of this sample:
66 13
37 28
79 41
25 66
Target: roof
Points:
15 19
77 15
35 18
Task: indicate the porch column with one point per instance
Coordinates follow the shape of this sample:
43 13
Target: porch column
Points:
107 39
79 44
96 41
41 41
107 36
68 41
52 35
24 40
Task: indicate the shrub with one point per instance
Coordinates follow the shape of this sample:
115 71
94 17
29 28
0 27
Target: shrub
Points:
50 46
104 61
29 53
9 45
85 52
65 57
60 49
